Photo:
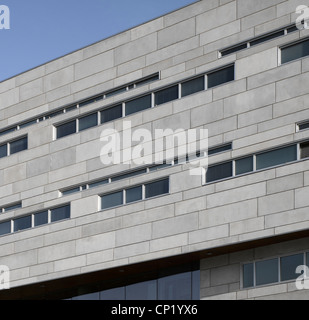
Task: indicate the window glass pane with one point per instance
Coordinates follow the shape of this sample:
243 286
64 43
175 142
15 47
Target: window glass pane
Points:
40 218
12 207
307 259
98 183
157 188
66 129
113 294
176 287
196 280
304 150
90 296
142 291
88 122
276 157
138 105
248 275
134 194
219 172
267 38
18 145
303 126
221 76
60 213
234 49
166 95
192 86
244 165
288 266
70 191
267 272
22 223
148 80
129 175
96 99
111 114
5 228
295 51
112 200
3 151
115 92
216 150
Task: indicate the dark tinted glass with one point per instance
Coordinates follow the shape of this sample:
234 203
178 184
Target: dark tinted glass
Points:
66 129
292 29
18 145
70 191
304 126
304 150
307 260
267 272
60 213
234 49
288 266
40 218
90 296
248 275
112 200
27 124
134 194
267 38
295 51
98 183
148 80
88 122
166 95
138 105
22 223
219 172
3 151
157 188
192 86
244 165
142 291
216 150
111 114
276 157
196 284
12 207
113 294
176 287
5 228
221 76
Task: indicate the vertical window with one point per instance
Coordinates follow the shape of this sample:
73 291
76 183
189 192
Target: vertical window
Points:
219 172
3 151
142 291
248 275
134 194
40 218
111 114
307 259
295 51
22 223
18 145
88 122
192 86
137 105
288 266
244 165
304 150
5 228
112 200
166 95
60 213
66 129
267 272
276 157
221 76
157 188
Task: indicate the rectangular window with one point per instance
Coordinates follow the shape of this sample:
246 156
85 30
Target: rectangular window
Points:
138 105
228 51
98 183
88 122
303 126
3 151
142 291
193 86
22 223
18 145
128 175
157 188
113 294
112 200
134 194
276 157
295 51
166 95
288 266
5 228
66 129
244 165
12 207
61 213
40 218
307 259
267 38
216 150
70 191
220 77
248 275
304 150
111 114
219 172
267 272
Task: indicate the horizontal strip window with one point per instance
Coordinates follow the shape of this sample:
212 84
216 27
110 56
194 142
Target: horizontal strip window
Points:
303 125
271 271
83 103
258 161
134 194
258 40
126 108
10 207
219 149
295 51
35 220
13 147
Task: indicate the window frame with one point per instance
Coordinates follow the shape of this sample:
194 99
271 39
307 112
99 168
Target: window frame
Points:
288 45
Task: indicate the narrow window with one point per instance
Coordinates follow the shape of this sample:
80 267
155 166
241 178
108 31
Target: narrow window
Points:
66 129
303 126
18 145
22 223
112 200
157 188
248 275
295 51
40 218
134 194
192 86
3 151
267 38
12 207
128 175
88 122
219 149
288 266
304 150
219 172
98 183
70 191
138 105
61 213
111 114
166 95
5 228
267 272
220 77
244 165
228 51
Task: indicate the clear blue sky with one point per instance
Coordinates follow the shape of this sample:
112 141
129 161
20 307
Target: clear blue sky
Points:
42 30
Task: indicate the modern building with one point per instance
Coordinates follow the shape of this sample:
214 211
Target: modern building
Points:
73 227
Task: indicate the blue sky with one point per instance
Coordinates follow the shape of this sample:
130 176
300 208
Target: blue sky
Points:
42 30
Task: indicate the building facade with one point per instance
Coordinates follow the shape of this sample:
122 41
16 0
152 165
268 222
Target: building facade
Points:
74 227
